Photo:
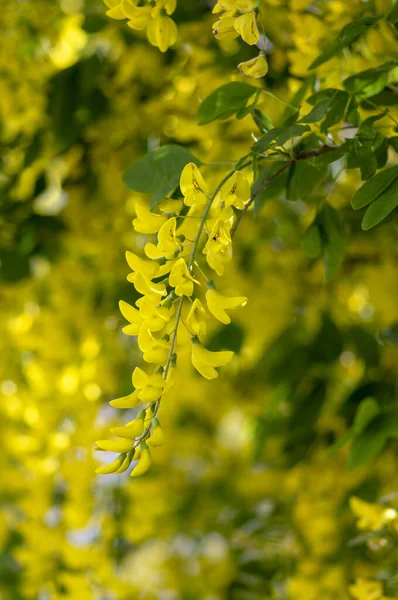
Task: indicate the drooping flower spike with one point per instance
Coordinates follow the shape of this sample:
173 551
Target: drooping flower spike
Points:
173 297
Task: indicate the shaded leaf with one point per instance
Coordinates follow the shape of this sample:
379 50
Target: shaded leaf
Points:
225 101
381 207
374 187
351 32
158 172
367 411
370 82
312 242
333 235
280 136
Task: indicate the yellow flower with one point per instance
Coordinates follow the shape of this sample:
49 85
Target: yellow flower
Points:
121 445
192 185
364 589
217 303
147 221
256 67
145 286
196 319
235 191
149 268
130 401
169 6
149 386
115 9
224 29
246 26
217 248
157 436
371 516
168 244
181 279
155 317
204 361
131 430
112 467
144 463
154 350
162 32
139 16
242 5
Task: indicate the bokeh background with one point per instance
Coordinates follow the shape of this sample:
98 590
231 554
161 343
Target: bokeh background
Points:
245 500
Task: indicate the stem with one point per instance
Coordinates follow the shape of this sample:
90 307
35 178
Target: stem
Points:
298 156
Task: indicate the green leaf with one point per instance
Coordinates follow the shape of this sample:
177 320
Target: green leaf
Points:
273 189
393 16
381 207
302 180
292 109
326 158
333 236
225 101
370 82
381 150
393 141
312 242
371 441
263 122
336 110
279 135
374 187
317 113
367 411
351 32
365 159
158 172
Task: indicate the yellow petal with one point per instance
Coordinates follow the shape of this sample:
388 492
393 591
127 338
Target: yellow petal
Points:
115 445
130 401
143 464
130 431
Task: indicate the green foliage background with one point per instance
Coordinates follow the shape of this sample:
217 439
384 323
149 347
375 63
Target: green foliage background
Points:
249 497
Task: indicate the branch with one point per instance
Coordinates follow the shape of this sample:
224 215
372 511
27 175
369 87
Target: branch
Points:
304 155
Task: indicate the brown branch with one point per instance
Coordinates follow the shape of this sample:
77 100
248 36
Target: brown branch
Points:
304 155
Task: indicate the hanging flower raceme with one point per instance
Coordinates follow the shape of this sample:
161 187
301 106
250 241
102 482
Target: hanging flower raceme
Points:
152 16
172 300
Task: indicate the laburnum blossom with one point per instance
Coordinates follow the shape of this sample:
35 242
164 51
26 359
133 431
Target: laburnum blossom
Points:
172 310
161 30
149 386
197 319
371 516
181 279
144 462
236 191
131 430
255 67
193 186
205 361
218 246
154 350
365 589
246 26
146 221
217 303
168 242
236 18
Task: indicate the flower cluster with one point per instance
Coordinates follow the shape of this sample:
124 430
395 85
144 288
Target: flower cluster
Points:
240 18
152 16
172 303
371 518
